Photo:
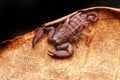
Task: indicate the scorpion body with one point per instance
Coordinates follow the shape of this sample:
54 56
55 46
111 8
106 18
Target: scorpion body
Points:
66 33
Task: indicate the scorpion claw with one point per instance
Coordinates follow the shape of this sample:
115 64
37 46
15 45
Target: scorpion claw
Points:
37 36
50 53
59 54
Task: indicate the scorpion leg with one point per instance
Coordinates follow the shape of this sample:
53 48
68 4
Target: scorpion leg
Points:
76 38
66 22
63 51
37 36
86 36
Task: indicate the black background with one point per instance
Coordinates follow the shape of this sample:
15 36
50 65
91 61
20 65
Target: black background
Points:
18 17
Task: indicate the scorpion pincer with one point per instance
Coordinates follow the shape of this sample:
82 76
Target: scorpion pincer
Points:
66 33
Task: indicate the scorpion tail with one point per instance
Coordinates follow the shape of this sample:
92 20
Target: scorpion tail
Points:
92 16
37 36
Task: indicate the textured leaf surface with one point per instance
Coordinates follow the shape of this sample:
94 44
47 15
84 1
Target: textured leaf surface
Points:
99 61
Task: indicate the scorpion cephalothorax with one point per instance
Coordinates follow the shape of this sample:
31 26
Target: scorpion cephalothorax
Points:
65 33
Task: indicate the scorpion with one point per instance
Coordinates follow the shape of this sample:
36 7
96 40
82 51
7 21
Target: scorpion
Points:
66 33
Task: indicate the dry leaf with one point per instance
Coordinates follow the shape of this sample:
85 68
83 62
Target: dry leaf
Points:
99 61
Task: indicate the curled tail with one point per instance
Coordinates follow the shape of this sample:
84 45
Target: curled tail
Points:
92 16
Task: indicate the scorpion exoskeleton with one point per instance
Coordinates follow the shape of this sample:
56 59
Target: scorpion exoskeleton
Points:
66 33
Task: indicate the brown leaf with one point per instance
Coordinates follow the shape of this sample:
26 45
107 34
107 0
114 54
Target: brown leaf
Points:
99 61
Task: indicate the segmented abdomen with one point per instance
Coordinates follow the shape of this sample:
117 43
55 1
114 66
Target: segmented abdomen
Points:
70 29
73 26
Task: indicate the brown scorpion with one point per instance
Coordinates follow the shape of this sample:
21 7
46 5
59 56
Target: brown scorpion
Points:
66 33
